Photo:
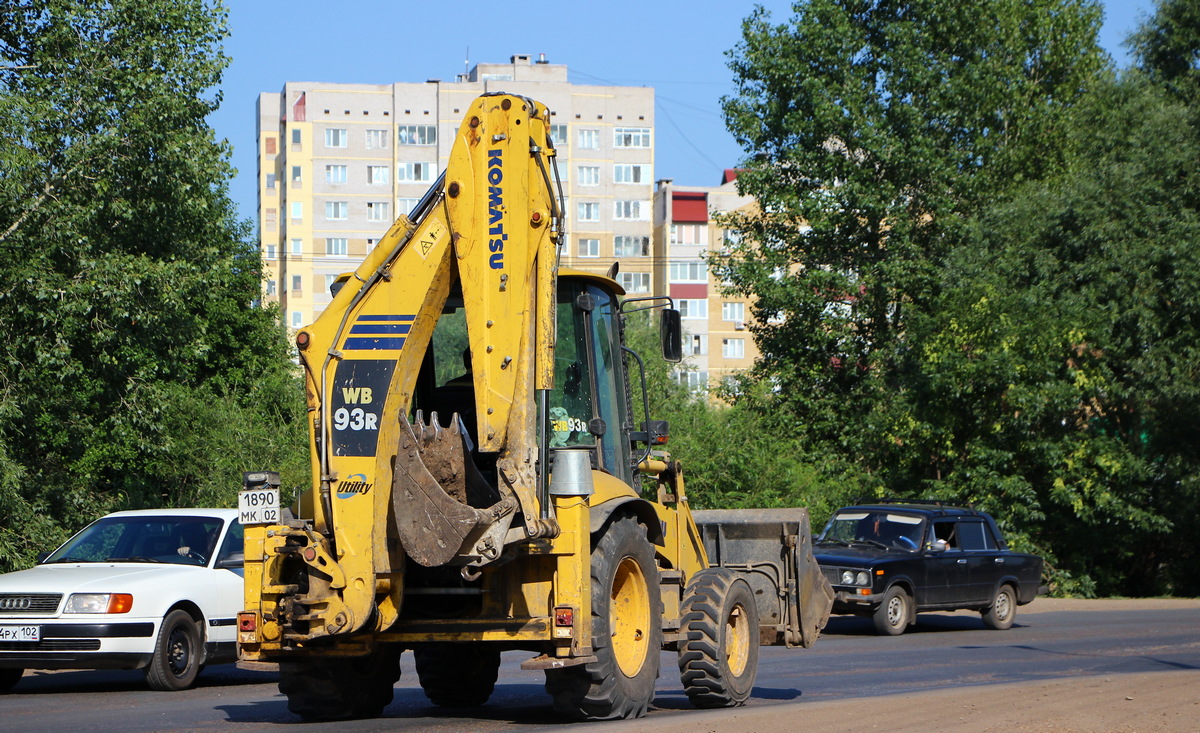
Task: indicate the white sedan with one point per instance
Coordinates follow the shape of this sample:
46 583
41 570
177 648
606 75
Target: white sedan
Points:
157 589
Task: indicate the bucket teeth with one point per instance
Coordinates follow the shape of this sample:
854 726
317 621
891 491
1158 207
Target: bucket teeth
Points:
430 490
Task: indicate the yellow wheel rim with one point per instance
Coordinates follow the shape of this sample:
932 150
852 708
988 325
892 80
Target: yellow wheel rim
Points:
629 617
737 640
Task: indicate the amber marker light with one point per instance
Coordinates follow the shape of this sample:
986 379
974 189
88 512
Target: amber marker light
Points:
120 603
302 340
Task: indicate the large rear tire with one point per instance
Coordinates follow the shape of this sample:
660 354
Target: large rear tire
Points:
457 675
340 688
176 660
718 654
626 631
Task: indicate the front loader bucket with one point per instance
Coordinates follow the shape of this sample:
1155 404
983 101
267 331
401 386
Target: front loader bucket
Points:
432 481
772 549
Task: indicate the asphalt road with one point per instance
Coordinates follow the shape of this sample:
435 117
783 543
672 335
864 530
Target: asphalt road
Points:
1052 640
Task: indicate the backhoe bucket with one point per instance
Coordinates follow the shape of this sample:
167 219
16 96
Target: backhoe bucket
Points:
432 482
772 549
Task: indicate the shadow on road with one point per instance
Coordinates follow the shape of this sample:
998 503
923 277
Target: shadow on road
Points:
927 623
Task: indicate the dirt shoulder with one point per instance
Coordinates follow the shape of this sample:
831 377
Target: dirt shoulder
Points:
1129 703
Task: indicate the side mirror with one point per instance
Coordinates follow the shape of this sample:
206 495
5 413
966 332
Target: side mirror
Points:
938 545
234 561
671 331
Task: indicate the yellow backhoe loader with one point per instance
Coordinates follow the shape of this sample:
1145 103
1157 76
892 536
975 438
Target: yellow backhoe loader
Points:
479 485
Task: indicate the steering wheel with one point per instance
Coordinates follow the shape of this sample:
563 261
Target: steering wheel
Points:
908 542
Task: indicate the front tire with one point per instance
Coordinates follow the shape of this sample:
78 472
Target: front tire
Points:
892 616
626 631
718 655
1003 610
9 677
340 688
457 675
176 660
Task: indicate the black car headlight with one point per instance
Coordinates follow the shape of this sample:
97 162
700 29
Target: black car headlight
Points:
855 577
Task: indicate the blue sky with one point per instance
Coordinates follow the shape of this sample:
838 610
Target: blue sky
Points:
676 47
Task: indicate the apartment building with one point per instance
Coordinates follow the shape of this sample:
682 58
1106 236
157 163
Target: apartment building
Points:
716 340
337 163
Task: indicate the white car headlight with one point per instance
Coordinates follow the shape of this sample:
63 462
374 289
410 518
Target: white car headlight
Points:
862 578
99 603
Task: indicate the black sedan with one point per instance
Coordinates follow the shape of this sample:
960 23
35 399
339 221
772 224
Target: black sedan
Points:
892 560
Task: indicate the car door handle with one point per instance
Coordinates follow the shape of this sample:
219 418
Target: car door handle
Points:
962 561
999 561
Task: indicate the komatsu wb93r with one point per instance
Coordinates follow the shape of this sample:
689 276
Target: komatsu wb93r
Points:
478 477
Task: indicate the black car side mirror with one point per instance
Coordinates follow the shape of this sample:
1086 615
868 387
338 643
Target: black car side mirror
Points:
938 546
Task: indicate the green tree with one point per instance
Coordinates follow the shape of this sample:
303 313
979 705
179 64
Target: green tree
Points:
871 129
136 366
1055 379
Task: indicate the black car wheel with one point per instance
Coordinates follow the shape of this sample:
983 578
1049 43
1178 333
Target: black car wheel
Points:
10 677
176 660
892 616
1003 610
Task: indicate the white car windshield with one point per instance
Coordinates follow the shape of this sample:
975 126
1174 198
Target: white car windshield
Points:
154 539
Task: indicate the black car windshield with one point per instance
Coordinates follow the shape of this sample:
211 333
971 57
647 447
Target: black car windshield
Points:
888 530
150 539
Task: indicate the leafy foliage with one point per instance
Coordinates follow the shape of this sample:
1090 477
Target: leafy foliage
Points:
975 264
127 284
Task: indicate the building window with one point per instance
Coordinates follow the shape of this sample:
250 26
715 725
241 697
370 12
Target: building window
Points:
297 247
270 181
270 287
405 206
329 281
417 134
626 245
687 272
698 345
334 138
693 308
635 282
693 380
377 139
270 143
295 139
589 139
631 137
733 312
296 284
631 210
377 174
589 248
631 173
297 175
269 251
733 348
416 172
297 211
589 175
689 234
337 211
271 219
336 246
296 319
558 134
588 211
335 174
377 211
